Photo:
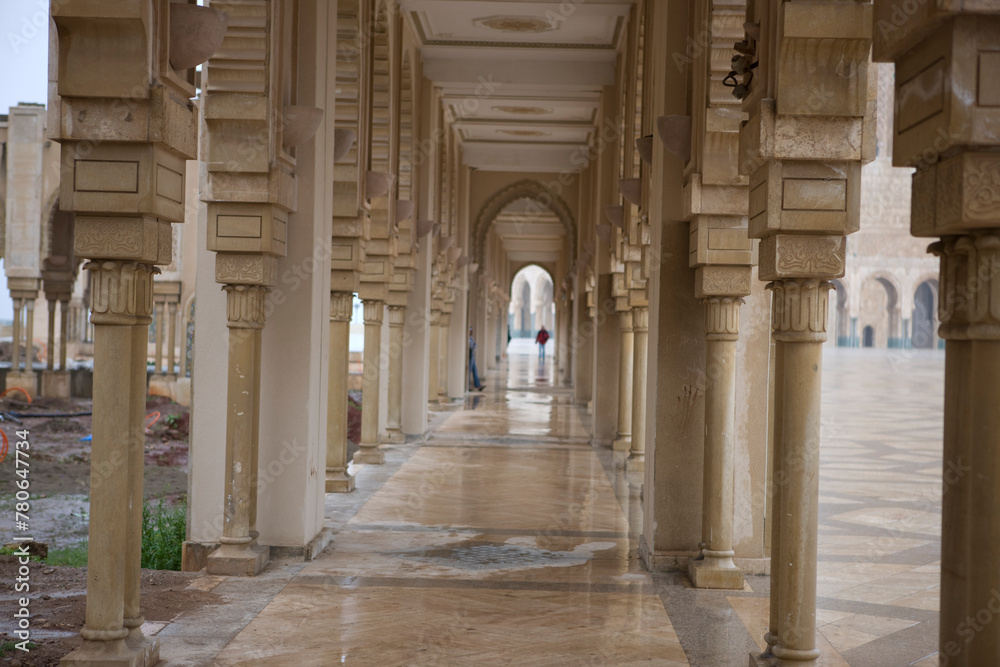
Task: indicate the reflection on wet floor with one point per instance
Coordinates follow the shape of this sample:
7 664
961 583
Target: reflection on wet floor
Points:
508 539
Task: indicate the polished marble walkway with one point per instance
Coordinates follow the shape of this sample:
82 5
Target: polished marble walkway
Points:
507 539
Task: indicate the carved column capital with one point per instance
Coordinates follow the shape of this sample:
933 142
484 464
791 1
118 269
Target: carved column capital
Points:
374 311
953 299
397 316
120 292
245 306
435 317
640 319
722 318
800 310
983 287
341 305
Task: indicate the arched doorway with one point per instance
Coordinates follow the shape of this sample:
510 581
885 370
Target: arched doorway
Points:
868 337
924 320
531 302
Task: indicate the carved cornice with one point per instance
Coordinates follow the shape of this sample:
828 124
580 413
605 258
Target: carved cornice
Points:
722 318
245 269
245 306
799 312
374 311
802 256
341 306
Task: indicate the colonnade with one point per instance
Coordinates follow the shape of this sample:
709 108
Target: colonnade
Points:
696 250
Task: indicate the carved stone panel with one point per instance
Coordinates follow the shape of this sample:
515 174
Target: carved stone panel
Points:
797 256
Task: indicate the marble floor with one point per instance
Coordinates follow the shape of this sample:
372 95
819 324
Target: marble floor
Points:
507 539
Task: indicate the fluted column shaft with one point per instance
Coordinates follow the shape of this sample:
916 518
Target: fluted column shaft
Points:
640 327
435 342
370 451
626 352
338 480
397 319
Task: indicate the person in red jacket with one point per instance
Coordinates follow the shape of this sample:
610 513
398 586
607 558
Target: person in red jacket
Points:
542 338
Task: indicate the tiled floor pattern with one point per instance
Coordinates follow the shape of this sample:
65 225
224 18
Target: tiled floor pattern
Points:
506 540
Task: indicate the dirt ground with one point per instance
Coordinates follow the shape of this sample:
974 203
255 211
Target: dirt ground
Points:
58 605
59 473
60 487
59 463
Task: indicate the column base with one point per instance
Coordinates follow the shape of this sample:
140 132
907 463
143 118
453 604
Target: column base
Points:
148 646
105 654
161 385
393 437
238 560
622 444
763 660
636 463
712 573
26 380
55 384
370 455
339 482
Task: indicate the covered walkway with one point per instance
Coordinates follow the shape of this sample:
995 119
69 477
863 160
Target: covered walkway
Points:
507 538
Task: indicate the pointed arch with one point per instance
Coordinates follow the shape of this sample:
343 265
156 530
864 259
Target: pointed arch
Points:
523 189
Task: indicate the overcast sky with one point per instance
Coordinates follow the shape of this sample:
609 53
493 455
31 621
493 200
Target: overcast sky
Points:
24 54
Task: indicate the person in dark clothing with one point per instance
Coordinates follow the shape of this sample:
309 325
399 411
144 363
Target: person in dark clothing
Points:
472 362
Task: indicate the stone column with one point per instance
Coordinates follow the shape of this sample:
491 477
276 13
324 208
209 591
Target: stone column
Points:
64 315
370 451
51 344
434 364
804 200
171 339
110 556
15 353
338 480
161 324
240 554
626 357
443 339
123 234
133 619
800 313
397 319
954 197
640 328
715 567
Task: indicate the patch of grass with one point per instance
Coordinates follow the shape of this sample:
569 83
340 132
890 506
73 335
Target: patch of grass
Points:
10 551
74 555
9 646
163 530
